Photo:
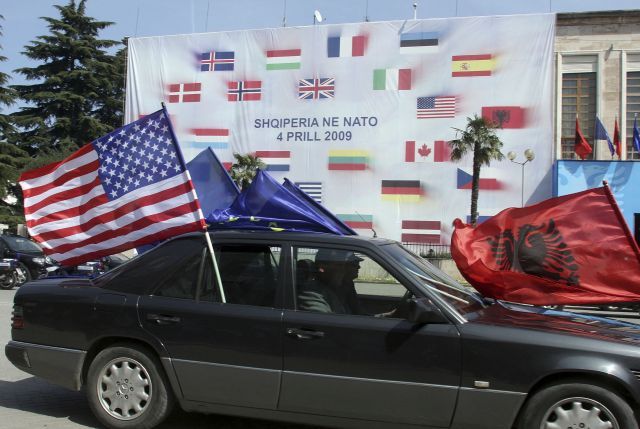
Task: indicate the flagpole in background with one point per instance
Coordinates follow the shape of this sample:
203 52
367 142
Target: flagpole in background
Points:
206 231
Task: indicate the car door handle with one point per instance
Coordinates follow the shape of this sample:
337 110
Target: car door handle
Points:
163 319
304 334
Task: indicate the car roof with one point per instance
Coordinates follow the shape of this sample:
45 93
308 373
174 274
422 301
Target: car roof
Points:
315 237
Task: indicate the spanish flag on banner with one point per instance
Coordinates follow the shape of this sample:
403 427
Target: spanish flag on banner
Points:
472 65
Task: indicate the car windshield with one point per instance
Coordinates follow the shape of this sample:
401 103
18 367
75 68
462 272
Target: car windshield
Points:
21 244
449 289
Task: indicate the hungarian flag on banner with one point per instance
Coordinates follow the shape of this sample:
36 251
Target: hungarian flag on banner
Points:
581 147
575 249
121 191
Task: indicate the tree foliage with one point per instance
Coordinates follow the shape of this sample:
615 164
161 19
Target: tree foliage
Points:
479 137
71 98
245 168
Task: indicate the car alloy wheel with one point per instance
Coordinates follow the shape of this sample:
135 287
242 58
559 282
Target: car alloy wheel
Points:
124 388
579 412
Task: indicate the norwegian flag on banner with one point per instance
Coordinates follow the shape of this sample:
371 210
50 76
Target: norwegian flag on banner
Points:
185 92
121 191
244 90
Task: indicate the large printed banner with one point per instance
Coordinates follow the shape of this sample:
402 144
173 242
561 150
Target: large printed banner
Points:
359 114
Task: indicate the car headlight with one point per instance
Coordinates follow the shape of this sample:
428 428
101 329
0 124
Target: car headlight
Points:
49 261
39 261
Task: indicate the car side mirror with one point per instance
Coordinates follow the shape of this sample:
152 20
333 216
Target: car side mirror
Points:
423 311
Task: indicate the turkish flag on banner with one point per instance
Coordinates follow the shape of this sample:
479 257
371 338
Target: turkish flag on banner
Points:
575 249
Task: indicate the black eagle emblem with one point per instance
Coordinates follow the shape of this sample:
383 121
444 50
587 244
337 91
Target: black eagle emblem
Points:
538 250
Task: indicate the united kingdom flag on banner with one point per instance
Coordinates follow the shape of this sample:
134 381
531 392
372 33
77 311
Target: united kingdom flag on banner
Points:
217 61
244 90
185 92
315 89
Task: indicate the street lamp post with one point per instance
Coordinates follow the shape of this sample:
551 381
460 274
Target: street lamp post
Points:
529 156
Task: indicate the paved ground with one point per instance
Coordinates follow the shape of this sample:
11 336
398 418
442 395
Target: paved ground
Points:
27 402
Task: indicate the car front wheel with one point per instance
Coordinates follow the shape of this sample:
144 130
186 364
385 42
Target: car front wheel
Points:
577 405
127 388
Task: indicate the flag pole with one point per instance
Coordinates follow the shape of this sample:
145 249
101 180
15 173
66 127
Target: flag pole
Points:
223 298
625 227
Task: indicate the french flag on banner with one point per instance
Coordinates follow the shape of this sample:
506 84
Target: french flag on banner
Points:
276 160
346 46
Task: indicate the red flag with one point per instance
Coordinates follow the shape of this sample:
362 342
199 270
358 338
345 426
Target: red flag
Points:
582 147
575 249
616 140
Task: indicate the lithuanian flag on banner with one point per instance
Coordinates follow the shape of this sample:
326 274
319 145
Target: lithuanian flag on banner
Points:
472 65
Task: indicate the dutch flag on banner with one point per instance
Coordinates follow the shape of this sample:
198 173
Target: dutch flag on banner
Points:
216 138
346 46
276 160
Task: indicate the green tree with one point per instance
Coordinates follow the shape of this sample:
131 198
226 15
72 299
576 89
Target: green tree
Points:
478 137
74 75
245 168
7 98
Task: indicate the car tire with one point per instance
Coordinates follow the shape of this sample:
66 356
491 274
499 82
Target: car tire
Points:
9 280
125 376
569 405
26 274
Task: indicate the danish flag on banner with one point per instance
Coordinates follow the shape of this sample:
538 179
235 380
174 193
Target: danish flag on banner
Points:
244 90
185 92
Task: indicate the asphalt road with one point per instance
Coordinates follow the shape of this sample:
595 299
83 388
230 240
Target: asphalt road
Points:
28 402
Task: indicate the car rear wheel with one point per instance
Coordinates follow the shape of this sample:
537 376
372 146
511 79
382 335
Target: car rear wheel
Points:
127 388
23 274
576 405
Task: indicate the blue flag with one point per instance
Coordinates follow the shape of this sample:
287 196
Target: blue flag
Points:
636 135
215 189
267 205
602 134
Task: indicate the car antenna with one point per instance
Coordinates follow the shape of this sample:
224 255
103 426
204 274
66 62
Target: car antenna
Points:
375 234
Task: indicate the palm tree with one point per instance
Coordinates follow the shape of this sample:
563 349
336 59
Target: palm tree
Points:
245 168
479 136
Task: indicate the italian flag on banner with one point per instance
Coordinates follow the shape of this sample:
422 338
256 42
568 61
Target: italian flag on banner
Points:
398 79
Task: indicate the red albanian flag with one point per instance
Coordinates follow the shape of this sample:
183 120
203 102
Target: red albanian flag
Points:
575 249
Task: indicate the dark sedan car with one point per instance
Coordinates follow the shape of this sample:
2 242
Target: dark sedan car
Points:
328 330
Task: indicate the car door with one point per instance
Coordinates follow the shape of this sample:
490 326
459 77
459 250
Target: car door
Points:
373 364
224 353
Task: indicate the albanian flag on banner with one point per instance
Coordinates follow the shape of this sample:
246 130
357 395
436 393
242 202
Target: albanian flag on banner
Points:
575 249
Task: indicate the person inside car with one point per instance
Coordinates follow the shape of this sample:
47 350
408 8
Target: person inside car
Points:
328 286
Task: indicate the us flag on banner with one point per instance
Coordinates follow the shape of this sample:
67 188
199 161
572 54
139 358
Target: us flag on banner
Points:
120 191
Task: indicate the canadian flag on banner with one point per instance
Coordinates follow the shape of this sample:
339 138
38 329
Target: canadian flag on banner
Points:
438 151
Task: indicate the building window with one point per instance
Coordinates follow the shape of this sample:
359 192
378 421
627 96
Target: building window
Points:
578 98
633 109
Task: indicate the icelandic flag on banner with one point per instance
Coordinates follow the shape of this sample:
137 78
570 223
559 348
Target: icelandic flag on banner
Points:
123 190
217 61
346 46
276 160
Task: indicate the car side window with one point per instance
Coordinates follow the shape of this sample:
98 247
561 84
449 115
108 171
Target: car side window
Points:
346 282
147 271
249 274
182 282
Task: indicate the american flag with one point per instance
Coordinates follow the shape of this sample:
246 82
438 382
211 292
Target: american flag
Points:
217 61
120 191
441 106
313 189
314 89
244 90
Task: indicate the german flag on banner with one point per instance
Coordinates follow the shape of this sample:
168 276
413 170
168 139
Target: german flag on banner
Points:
472 65
401 190
348 159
